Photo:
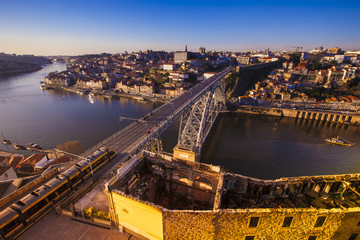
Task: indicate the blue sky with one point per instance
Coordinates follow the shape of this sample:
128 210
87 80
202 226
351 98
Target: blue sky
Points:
81 27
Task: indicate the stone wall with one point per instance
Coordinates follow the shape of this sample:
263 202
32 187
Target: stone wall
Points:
246 76
302 114
234 224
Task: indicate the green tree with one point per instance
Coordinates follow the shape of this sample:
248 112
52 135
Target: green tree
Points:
192 78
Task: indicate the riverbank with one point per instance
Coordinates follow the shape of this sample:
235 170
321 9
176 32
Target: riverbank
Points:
11 64
110 94
336 117
6 154
24 68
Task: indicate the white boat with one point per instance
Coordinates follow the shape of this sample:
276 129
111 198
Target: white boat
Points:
34 146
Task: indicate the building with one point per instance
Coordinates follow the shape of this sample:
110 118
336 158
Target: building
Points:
28 164
6 171
334 50
208 75
180 57
168 199
202 50
335 76
243 60
169 66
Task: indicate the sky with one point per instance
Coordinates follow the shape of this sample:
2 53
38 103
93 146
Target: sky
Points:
63 27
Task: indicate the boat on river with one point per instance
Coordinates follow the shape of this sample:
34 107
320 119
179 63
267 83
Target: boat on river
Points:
5 141
108 96
19 147
33 146
339 141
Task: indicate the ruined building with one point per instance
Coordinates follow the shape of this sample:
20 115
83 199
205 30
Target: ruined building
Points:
166 199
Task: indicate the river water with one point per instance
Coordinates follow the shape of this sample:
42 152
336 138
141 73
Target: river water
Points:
264 147
52 117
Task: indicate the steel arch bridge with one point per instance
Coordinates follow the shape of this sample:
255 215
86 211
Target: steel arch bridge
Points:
197 108
198 119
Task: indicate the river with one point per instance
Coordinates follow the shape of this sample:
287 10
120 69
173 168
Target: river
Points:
52 117
263 147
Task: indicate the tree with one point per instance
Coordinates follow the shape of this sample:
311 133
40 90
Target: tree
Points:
192 78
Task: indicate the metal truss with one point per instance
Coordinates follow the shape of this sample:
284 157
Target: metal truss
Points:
196 123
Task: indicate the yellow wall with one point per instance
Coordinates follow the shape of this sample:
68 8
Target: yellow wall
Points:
138 217
184 154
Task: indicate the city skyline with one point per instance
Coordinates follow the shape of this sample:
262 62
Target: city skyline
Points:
84 27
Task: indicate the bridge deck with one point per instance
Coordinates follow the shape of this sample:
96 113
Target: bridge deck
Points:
129 139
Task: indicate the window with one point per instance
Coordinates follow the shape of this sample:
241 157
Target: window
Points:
312 238
249 238
254 222
320 222
353 236
287 221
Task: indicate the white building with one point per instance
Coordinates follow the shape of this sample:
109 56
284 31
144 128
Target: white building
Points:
169 66
209 75
7 173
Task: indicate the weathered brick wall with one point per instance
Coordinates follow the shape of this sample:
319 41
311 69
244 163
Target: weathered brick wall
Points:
234 224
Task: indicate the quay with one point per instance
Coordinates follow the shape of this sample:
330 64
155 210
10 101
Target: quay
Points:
118 95
335 117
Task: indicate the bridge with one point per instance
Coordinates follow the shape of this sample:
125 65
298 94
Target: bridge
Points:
198 109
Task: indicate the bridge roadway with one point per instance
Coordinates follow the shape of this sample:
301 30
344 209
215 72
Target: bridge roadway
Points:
138 134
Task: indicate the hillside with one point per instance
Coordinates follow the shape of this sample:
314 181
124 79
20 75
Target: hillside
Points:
15 64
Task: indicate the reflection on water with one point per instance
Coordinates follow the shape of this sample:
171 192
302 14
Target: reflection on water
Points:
272 147
52 117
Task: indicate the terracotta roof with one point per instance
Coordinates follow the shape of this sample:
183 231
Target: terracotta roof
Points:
4 159
4 169
33 159
14 161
